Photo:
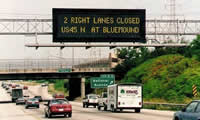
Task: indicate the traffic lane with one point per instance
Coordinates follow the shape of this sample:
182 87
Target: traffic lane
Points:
127 114
4 96
12 112
38 113
39 90
76 114
92 113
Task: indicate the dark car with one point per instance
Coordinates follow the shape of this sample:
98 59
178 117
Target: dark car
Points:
33 102
39 98
20 101
190 112
58 107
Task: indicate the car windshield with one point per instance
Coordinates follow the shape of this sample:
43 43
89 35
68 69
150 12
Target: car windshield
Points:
20 98
104 95
57 101
33 100
93 97
37 96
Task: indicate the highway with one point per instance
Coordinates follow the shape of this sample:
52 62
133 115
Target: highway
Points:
12 112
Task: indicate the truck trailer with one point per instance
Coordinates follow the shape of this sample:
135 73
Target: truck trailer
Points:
124 96
16 93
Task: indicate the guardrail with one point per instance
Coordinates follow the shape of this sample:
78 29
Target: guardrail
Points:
166 106
145 103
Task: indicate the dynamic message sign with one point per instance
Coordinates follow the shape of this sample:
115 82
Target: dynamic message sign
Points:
98 25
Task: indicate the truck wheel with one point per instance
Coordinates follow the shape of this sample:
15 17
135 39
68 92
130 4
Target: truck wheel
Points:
49 116
105 108
46 115
99 108
137 110
83 105
113 109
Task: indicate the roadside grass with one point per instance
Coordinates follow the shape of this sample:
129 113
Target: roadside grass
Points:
162 107
28 83
58 88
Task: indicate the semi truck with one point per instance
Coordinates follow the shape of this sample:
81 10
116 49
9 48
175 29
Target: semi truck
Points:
124 96
16 93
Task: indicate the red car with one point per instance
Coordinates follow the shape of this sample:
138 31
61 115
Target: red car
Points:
13 86
58 107
25 87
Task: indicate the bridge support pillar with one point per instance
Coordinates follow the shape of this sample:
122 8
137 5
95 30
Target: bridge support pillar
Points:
82 87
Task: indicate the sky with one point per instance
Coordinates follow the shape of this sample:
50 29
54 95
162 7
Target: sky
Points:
12 47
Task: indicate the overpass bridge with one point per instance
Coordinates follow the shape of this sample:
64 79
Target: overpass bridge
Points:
54 65
76 71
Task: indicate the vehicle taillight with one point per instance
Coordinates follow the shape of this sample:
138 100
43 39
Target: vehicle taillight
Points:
29 102
140 103
37 102
67 106
53 108
88 100
118 103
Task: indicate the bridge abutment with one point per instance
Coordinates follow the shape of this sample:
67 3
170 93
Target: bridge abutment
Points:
83 87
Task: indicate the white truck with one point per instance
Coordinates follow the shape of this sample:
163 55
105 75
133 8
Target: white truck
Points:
90 100
124 96
102 101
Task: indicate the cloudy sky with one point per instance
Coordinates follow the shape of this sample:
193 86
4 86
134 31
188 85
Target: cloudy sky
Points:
12 47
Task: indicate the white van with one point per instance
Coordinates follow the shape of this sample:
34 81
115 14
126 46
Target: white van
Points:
124 96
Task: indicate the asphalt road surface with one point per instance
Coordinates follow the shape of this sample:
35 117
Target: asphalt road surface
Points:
12 112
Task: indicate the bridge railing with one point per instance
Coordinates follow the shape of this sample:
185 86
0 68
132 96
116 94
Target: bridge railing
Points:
53 65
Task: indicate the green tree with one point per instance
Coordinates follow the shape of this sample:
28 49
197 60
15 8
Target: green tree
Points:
131 57
195 48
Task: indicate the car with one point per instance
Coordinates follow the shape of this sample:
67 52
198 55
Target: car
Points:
25 87
20 101
7 88
33 102
190 112
58 107
39 98
13 86
44 84
90 99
